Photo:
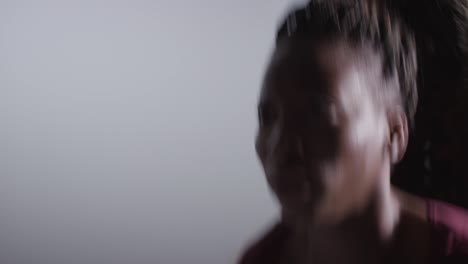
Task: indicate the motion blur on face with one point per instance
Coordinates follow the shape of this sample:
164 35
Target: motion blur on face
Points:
324 127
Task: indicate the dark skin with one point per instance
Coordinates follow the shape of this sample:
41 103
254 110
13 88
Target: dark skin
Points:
331 126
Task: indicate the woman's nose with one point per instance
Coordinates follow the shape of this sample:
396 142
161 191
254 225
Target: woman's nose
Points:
290 150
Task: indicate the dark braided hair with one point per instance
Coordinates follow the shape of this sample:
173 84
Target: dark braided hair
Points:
425 44
436 161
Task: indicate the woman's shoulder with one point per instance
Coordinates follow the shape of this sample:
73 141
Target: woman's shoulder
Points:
450 226
267 248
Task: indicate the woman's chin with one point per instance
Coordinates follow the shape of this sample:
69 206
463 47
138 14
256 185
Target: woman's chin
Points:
298 204
297 193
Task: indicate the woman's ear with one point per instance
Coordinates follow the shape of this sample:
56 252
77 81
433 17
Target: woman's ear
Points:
398 134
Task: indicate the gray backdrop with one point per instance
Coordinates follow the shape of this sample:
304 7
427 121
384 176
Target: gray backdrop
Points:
127 129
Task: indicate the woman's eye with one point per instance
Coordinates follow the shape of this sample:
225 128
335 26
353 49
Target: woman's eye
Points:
266 115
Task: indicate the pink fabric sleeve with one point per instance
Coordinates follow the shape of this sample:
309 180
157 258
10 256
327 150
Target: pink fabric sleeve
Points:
450 225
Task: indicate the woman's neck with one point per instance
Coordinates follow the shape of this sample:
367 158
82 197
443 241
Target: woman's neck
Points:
390 226
411 204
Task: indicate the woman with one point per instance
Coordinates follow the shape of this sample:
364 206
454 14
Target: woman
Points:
336 111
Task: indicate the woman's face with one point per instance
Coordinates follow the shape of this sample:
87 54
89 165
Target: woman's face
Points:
323 127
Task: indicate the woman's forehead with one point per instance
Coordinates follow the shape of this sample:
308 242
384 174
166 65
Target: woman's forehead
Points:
319 67
301 71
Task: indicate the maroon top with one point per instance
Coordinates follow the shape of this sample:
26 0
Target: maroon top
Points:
449 237
449 226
